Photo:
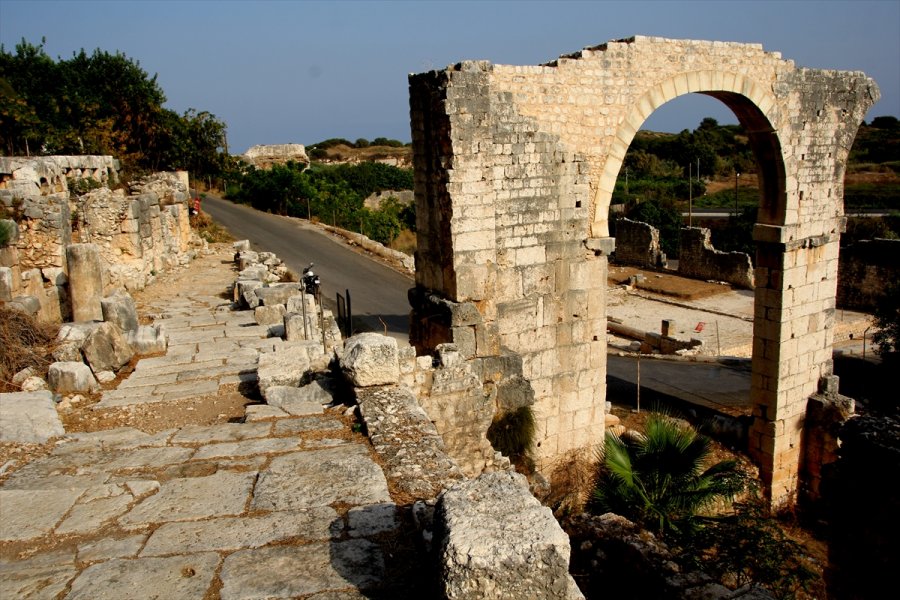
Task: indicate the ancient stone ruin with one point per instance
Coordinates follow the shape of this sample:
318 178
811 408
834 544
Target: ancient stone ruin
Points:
514 172
66 247
266 156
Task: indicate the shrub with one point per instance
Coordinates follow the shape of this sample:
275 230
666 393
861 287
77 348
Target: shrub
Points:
512 434
24 342
750 547
659 479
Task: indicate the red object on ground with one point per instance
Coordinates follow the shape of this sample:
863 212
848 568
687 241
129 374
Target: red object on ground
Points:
699 327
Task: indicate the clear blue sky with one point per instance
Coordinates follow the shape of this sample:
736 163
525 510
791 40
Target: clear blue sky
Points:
292 71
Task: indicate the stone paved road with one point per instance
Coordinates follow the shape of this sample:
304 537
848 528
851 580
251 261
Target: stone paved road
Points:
279 508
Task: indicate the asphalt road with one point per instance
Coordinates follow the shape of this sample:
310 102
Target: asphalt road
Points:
378 293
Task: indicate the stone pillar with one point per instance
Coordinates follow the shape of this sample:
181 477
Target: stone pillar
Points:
85 281
792 337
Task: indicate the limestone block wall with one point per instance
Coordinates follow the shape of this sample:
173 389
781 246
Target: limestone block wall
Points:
865 270
511 247
637 244
698 259
138 234
515 167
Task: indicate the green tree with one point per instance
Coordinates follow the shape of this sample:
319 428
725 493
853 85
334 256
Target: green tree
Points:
660 479
664 216
887 320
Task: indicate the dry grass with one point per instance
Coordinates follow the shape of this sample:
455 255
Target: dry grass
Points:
209 230
24 342
571 482
405 242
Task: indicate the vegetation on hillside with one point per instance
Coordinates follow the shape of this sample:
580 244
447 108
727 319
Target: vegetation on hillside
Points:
332 194
100 103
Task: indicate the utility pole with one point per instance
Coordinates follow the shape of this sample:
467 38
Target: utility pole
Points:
736 177
690 197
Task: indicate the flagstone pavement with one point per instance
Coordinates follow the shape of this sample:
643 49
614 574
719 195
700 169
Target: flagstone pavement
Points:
291 507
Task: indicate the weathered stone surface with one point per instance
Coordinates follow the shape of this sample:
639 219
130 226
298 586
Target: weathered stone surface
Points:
183 576
33 384
85 281
288 366
697 258
87 517
28 514
42 576
277 293
496 540
289 572
292 400
71 377
29 417
374 519
118 308
232 533
371 359
219 495
271 314
344 474
106 349
104 549
407 441
264 156
148 339
7 284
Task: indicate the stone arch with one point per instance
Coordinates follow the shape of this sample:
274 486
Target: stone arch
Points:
514 170
751 103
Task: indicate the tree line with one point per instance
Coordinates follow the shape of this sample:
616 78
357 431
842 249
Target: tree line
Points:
100 103
332 194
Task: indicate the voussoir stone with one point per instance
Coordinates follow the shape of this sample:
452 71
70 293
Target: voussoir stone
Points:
371 359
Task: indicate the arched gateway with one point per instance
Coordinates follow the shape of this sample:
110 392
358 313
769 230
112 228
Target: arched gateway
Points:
514 170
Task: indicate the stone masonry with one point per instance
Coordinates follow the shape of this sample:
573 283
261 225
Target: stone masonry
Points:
514 172
698 259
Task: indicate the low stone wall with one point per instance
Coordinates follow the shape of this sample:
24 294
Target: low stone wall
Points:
638 244
864 271
698 259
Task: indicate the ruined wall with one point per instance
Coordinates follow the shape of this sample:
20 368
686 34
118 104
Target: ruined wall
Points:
515 168
865 269
138 234
638 244
698 259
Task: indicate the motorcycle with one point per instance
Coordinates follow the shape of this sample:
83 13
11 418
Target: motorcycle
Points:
310 281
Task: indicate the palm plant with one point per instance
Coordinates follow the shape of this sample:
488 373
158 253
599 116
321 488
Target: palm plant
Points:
660 479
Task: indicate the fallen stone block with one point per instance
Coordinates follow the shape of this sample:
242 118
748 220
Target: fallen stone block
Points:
371 359
277 293
27 304
29 418
241 246
244 286
33 384
6 284
292 400
71 378
270 314
287 366
70 339
106 349
148 339
118 308
495 540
